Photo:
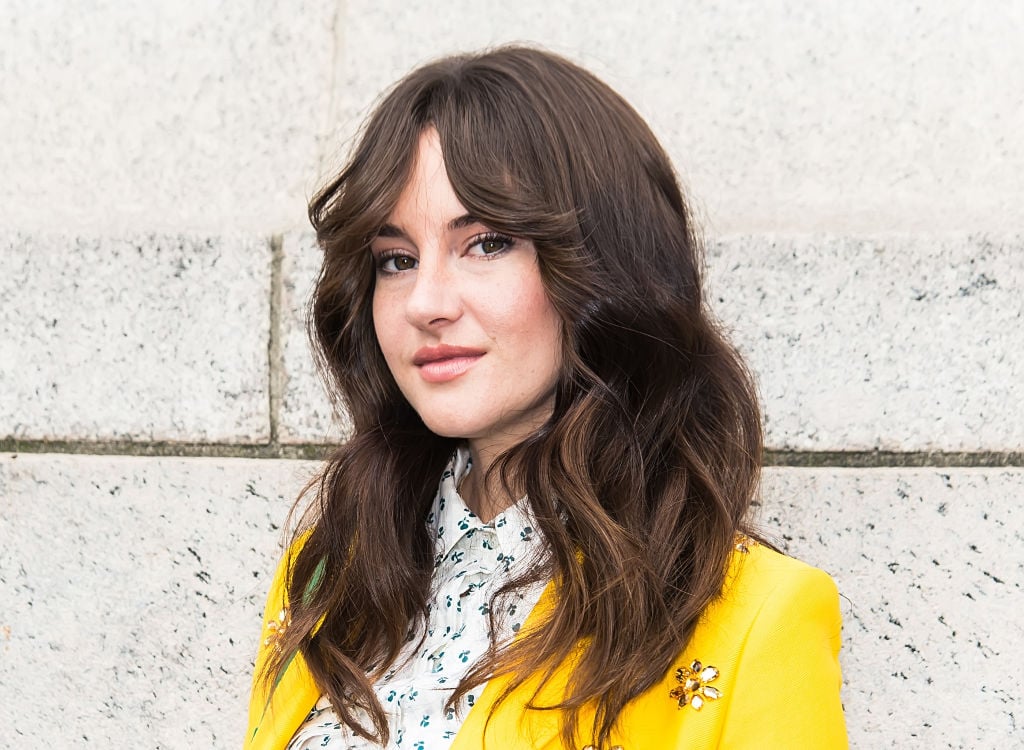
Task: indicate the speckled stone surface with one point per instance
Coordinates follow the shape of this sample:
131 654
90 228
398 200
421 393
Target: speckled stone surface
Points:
781 116
162 116
895 343
148 337
930 566
306 414
135 585
875 117
132 593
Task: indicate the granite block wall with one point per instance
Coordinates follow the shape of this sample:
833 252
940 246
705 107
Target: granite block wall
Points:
859 176
162 116
879 343
145 337
132 590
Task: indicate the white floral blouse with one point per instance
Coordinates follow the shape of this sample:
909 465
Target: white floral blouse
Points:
472 561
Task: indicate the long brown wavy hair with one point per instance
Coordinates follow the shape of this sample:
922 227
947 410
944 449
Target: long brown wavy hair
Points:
644 471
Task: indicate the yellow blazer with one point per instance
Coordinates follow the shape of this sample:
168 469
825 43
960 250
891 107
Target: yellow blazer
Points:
768 675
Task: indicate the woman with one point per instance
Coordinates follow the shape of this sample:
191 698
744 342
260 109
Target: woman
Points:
511 303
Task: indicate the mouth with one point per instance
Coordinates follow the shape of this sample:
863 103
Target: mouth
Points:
439 364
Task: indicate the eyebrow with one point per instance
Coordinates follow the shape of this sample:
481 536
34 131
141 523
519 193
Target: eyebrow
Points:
459 222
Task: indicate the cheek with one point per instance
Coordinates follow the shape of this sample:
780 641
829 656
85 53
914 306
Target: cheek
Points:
537 325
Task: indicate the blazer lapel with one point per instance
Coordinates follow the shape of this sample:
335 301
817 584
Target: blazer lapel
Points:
512 726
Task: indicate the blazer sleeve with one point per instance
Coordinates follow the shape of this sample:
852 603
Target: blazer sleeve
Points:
786 692
275 619
276 710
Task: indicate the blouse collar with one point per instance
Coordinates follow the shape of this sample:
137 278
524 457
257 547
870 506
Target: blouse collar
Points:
450 518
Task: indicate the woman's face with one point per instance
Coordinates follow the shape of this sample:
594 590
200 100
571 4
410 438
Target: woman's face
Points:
461 314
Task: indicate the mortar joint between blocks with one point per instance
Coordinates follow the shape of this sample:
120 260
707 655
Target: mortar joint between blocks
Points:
275 353
318 451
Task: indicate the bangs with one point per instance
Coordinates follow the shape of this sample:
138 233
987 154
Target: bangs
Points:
503 168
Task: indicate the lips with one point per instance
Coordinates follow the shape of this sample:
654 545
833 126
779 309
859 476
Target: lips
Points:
439 364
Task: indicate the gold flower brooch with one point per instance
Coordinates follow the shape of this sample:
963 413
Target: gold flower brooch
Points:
275 629
693 688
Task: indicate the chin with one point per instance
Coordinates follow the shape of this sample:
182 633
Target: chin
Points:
447 427
461 429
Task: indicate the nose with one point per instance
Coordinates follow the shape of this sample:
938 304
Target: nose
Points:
434 298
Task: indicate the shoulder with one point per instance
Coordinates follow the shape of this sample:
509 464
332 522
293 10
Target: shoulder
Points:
760 578
773 611
277 604
279 583
761 669
776 623
278 704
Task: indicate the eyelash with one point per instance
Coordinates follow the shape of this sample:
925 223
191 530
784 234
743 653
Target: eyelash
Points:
493 237
387 255
381 259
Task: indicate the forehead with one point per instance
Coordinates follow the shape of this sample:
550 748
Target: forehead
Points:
427 199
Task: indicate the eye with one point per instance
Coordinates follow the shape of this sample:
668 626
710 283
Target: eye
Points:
490 244
395 261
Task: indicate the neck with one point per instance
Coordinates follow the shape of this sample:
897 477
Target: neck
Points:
483 492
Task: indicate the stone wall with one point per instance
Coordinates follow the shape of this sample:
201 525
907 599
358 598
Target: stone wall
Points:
859 172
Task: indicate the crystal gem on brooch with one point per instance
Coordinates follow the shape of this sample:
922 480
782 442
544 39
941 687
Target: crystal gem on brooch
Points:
693 688
276 628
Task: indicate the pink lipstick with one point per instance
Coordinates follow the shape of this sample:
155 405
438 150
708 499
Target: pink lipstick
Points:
439 364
